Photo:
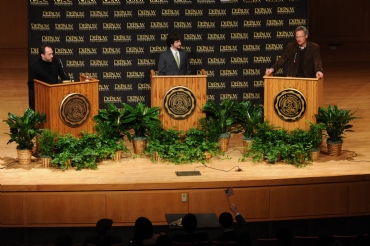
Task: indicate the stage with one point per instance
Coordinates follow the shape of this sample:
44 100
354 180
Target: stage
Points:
33 196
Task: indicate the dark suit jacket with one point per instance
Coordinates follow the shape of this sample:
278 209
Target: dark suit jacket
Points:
190 237
312 61
167 64
240 235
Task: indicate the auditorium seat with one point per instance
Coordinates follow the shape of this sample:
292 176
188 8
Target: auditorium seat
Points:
346 240
266 242
184 243
306 241
220 243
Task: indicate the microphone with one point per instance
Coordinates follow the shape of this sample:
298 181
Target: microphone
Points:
295 57
61 64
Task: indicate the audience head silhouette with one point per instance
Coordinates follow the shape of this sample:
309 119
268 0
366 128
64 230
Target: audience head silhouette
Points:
226 220
104 226
189 223
143 228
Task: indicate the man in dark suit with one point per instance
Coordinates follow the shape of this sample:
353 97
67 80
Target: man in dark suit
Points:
45 69
174 61
229 234
303 57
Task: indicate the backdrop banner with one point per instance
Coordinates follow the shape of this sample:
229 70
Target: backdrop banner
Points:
119 41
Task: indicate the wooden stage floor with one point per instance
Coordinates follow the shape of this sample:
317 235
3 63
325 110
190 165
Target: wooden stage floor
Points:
346 84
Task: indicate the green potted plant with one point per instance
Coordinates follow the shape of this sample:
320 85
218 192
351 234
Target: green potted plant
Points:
23 130
299 147
222 116
46 143
66 148
263 136
108 125
337 122
108 122
249 116
315 136
139 119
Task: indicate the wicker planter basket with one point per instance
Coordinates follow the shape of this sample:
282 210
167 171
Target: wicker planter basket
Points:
156 156
247 144
117 156
45 161
334 149
315 155
24 156
139 146
224 144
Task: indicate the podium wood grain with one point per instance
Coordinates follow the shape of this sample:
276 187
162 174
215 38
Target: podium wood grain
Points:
160 85
312 90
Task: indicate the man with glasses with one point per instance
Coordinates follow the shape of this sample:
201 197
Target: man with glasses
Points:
303 57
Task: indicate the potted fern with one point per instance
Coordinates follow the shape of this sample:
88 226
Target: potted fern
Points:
23 130
337 123
315 136
46 144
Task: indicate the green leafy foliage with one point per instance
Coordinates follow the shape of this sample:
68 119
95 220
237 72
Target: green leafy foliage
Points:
84 152
139 118
108 122
46 142
24 129
315 135
273 143
336 122
249 116
178 147
222 116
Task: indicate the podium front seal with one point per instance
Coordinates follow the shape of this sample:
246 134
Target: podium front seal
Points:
290 104
74 110
179 102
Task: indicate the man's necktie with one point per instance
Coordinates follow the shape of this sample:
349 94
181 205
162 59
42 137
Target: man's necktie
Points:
177 58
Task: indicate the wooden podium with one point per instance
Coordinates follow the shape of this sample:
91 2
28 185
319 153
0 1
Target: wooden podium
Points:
69 107
274 89
164 86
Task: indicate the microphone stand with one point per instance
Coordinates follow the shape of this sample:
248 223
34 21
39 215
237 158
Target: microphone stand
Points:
61 64
295 57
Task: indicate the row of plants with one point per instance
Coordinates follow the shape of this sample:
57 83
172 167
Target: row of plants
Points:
223 119
84 152
274 144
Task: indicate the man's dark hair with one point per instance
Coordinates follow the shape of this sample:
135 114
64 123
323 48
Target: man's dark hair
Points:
103 225
42 48
226 220
189 223
172 37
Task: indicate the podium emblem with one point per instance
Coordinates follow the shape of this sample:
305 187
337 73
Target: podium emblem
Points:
179 102
74 110
290 104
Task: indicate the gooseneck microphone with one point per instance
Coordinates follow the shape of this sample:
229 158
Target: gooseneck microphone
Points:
295 58
61 64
